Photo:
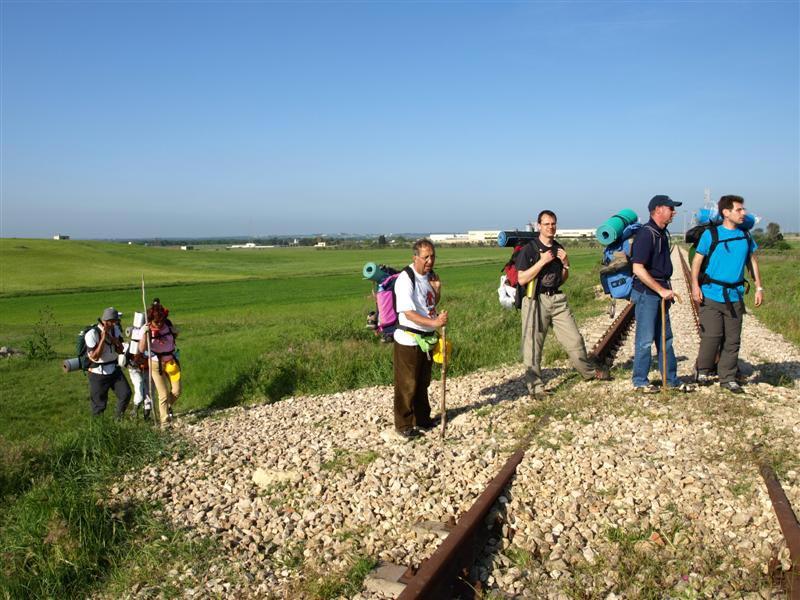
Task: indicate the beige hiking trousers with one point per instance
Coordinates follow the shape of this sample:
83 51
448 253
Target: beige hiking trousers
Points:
552 311
168 391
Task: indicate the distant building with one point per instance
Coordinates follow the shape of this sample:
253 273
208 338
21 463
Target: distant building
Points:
60 236
483 236
187 247
575 233
471 237
320 245
449 238
247 246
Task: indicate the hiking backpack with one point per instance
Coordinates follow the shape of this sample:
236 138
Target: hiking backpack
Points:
81 350
385 322
616 274
509 282
693 236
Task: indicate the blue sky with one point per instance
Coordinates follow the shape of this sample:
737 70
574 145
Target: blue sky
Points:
138 119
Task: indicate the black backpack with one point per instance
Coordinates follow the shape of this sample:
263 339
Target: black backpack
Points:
693 236
81 349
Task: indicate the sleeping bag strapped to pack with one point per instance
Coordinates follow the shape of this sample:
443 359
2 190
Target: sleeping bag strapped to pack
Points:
509 280
616 274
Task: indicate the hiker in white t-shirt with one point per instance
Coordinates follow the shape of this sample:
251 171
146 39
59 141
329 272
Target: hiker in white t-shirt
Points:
138 370
103 346
417 316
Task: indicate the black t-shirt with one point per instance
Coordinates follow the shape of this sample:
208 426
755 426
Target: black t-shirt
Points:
549 277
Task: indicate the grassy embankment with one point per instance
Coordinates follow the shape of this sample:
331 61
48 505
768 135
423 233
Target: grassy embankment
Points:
781 279
257 326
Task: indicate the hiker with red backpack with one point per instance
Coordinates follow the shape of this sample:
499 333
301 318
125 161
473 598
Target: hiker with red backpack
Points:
542 267
165 369
417 290
718 285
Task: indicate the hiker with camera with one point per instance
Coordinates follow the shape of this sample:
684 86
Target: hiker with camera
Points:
164 367
718 285
418 321
542 267
103 348
652 291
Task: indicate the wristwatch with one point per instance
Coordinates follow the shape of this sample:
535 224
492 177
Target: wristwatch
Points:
759 289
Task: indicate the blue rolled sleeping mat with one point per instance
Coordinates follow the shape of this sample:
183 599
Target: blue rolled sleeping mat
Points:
507 239
374 272
611 230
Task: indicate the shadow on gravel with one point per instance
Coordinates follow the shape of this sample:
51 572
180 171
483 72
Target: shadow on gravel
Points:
778 374
511 389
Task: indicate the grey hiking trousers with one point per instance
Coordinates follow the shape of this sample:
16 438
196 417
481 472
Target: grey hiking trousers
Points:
717 326
552 311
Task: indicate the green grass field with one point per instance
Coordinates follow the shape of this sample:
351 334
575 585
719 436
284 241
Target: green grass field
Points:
781 279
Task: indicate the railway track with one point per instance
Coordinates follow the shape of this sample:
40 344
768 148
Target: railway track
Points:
687 274
446 573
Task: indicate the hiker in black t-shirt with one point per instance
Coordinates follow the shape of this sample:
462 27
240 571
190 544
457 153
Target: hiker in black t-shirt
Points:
543 266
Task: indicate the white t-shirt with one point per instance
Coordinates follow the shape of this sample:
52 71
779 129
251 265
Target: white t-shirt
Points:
422 301
109 354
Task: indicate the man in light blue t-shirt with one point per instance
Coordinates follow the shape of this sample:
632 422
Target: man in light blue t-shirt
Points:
720 292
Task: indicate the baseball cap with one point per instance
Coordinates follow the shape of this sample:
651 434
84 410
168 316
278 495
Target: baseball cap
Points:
110 314
661 200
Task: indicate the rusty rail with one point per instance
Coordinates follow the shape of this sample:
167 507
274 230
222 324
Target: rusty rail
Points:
606 347
438 575
790 527
687 274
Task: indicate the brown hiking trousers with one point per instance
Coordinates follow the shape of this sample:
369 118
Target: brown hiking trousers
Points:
412 376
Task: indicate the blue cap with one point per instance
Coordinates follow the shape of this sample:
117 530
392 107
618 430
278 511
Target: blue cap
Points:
661 200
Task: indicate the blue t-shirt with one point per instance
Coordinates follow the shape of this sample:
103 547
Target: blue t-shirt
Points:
651 249
726 263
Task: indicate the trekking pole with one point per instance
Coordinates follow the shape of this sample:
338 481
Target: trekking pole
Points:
663 344
444 378
149 363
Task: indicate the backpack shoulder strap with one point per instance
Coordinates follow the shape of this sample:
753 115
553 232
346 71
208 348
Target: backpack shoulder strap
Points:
410 272
714 232
747 262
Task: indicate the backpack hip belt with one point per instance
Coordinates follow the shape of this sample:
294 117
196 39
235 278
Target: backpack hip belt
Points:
726 287
416 331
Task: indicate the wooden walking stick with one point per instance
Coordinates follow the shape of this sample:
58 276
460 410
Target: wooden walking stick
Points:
663 344
146 333
444 378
